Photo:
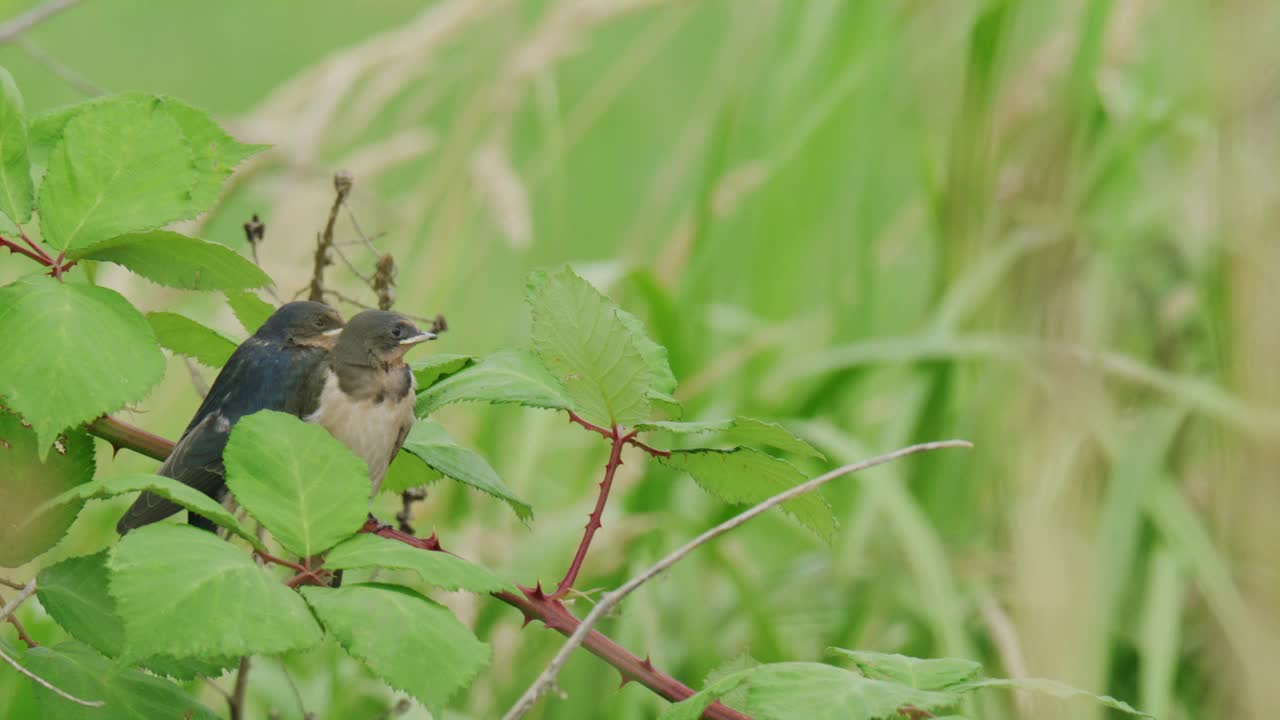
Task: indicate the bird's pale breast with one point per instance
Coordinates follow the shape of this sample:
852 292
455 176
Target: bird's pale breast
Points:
372 426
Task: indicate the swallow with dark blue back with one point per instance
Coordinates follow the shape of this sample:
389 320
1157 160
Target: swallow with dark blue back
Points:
269 371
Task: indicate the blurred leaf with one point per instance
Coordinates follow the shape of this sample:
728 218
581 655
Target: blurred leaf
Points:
26 482
436 367
123 166
746 476
17 192
167 488
184 336
71 353
811 691
411 642
429 442
175 260
129 694
1048 687
183 592
74 592
743 431
921 674
305 486
250 310
511 376
436 568
215 153
583 340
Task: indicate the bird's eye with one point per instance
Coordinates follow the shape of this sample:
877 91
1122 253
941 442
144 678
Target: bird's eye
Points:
397 331
319 322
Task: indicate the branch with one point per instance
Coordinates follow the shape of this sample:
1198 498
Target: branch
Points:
30 19
27 591
342 182
236 701
610 600
123 435
617 441
47 684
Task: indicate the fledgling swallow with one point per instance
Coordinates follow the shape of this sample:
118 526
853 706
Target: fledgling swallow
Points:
267 372
364 390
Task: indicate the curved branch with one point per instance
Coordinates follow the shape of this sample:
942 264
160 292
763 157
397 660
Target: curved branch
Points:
546 680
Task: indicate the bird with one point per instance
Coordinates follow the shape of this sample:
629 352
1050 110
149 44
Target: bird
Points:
267 372
363 392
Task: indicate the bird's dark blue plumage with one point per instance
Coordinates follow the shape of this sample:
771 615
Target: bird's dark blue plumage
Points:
267 372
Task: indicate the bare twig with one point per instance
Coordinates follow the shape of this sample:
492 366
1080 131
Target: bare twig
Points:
608 601
197 381
236 701
342 182
33 17
616 442
47 684
302 708
27 591
22 632
64 72
11 584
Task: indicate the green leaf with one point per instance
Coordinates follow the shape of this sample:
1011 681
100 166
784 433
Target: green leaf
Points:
175 260
250 310
26 482
409 641
934 674
17 192
511 376
71 353
129 694
429 442
167 488
183 592
741 431
184 336
436 568
123 166
746 476
812 691
581 338
305 486
1049 687
406 472
74 593
437 367
215 153
662 382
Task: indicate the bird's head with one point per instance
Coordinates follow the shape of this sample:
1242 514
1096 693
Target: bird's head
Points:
378 337
303 323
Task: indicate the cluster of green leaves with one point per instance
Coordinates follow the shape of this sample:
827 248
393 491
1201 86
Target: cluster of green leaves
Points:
97 182
881 687
179 601
592 358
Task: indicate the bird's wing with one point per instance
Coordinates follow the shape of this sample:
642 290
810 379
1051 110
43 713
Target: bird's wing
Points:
196 461
256 377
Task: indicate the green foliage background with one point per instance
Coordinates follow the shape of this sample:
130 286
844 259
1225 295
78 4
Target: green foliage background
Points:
1045 227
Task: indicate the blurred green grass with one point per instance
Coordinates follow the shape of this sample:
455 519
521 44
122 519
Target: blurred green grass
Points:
1045 227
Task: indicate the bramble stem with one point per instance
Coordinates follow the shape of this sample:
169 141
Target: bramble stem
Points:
617 441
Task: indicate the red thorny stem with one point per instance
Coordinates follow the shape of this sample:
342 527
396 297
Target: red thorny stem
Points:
616 441
32 250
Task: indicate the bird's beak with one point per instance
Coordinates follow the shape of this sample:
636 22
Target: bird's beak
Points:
332 333
419 338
